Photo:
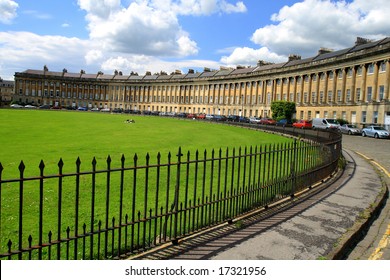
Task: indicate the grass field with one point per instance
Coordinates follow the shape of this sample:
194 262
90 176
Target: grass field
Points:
34 135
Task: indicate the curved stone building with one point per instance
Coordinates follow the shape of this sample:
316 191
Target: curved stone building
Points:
350 84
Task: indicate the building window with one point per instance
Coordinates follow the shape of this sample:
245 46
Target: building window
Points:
370 69
358 95
339 96
381 92
360 71
369 94
375 117
321 96
313 97
364 116
348 97
382 67
330 96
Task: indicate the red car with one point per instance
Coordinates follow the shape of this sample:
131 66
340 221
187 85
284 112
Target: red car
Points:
201 116
191 116
267 121
302 124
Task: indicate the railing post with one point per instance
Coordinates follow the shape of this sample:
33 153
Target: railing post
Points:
1 172
21 186
40 230
293 169
176 200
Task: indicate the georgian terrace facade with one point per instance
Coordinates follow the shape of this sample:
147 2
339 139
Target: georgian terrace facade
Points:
352 84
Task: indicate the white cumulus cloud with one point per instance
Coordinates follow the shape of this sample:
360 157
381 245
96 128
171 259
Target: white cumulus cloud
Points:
8 11
311 24
306 26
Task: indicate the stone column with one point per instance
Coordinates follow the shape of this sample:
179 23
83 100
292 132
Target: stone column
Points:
318 87
288 89
353 86
309 92
334 86
295 90
375 87
364 82
386 94
343 86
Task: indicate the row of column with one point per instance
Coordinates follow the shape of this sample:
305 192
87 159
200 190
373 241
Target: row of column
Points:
254 92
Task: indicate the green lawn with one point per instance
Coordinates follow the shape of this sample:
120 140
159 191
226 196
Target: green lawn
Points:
35 135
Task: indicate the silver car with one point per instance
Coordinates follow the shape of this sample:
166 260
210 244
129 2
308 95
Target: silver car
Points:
350 129
375 131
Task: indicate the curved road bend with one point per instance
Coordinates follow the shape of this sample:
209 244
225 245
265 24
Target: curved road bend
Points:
376 244
307 229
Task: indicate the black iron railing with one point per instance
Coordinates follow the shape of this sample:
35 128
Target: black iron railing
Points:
119 211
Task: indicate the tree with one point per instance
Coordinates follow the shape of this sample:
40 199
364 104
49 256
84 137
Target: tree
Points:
282 110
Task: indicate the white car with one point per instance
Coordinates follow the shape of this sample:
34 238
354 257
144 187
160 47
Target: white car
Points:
254 120
16 106
30 107
375 131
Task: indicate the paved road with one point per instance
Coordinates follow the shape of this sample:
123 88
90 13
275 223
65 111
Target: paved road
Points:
376 244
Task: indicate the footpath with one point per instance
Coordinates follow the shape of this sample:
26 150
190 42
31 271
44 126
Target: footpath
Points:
327 229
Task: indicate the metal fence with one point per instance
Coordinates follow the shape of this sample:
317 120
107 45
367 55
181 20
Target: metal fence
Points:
123 210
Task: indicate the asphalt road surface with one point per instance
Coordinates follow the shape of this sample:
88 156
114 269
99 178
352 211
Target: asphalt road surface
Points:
376 244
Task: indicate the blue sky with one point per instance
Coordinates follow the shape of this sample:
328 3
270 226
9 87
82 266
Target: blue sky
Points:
169 35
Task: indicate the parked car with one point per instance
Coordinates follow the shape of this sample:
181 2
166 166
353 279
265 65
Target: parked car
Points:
322 123
191 116
117 110
233 118
350 129
105 110
44 106
30 106
255 120
16 106
209 117
267 121
284 122
219 118
302 124
201 116
181 115
82 108
375 131
243 120
95 109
